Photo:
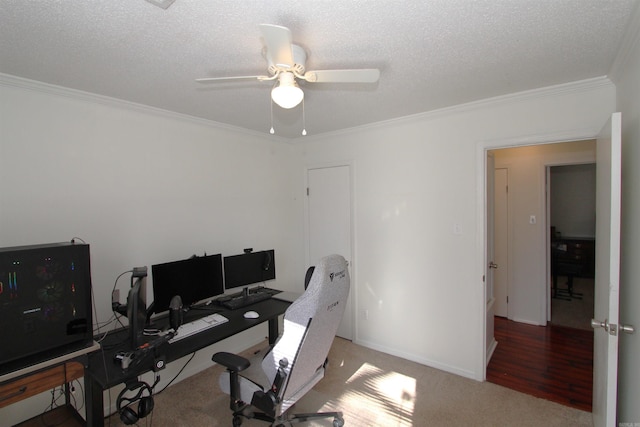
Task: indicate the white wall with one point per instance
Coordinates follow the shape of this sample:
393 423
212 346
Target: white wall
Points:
414 179
141 187
627 79
527 244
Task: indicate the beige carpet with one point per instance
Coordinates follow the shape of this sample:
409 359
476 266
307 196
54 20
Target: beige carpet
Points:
373 389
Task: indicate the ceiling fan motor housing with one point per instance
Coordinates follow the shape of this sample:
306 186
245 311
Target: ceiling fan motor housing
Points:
299 59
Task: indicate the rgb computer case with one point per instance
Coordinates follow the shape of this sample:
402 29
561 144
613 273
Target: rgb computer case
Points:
45 301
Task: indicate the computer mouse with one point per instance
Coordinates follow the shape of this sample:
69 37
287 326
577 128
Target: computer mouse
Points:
251 315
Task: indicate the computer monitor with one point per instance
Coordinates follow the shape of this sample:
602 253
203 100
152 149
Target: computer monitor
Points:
249 268
195 279
137 311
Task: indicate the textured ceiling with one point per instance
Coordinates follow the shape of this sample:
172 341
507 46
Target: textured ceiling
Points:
431 53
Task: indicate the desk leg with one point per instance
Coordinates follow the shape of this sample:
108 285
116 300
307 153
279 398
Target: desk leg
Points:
273 330
94 402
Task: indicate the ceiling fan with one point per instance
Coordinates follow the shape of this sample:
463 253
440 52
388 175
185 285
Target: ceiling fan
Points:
286 63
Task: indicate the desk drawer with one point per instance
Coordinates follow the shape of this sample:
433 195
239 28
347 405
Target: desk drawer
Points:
38 382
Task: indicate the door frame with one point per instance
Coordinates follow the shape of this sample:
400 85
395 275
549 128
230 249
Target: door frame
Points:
482 147
351 258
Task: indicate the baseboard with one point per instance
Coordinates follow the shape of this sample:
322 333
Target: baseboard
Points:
418 359
491 350
527 321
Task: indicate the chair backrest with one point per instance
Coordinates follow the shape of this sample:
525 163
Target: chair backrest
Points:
307 276
310 325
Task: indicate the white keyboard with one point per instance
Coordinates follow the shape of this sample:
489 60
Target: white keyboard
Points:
188 329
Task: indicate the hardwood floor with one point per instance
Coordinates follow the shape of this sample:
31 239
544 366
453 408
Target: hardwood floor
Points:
553 362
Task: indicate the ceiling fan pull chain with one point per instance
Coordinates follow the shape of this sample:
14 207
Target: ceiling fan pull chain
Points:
271 131
304 126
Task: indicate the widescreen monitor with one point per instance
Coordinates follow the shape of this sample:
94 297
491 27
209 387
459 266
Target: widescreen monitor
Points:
249 268
195 279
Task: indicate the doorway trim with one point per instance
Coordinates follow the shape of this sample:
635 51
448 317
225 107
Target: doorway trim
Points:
481 216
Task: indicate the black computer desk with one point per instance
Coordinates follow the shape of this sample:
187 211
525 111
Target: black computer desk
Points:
103 373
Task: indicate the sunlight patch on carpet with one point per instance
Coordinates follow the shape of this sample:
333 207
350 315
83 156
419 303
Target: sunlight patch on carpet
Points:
388 394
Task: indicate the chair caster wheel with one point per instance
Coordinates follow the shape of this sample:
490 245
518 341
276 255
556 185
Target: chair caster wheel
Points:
338 422
237 421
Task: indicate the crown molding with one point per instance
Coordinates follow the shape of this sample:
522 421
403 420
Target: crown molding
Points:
502 100
61 91
517 97
628 45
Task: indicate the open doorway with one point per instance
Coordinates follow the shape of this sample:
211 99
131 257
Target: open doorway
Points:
571 202
527 284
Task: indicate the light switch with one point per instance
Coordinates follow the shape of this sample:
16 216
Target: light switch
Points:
532 219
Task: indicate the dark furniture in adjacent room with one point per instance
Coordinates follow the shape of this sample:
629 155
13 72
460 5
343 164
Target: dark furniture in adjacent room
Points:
571 257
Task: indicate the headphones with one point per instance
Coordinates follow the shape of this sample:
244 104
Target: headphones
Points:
128 415
266 261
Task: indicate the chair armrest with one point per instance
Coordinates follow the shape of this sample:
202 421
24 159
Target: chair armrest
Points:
231 361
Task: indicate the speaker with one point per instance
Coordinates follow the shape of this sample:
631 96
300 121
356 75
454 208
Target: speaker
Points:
143 396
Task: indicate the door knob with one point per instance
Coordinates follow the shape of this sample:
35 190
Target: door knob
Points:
627 328
612 328
598 324
493 265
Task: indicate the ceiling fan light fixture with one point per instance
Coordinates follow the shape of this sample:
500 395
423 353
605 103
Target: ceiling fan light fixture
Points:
287 94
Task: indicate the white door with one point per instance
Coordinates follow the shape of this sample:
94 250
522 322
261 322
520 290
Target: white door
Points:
605 357
329 211
500 240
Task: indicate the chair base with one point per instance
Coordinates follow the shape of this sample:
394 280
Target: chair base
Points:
282 421
338 421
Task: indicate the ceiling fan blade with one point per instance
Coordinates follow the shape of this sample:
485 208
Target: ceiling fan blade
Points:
223 79
278 41
367 75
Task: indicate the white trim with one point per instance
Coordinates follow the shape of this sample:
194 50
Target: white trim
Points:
528 322
628 44
512 98
545 92
49 89
492 349
418 359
